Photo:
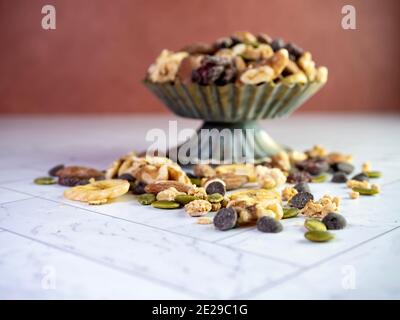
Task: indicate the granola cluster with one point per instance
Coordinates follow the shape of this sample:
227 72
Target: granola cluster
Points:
242 58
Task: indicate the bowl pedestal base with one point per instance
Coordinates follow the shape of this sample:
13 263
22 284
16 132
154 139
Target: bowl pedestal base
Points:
224 143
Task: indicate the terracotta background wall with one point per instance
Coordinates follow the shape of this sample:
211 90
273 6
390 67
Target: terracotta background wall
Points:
95 59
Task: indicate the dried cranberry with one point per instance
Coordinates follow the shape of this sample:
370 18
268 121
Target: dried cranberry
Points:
72 181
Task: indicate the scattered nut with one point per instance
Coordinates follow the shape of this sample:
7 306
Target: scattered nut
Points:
168 194
198 208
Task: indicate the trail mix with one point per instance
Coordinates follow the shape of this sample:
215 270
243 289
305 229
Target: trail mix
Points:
242 58
229 196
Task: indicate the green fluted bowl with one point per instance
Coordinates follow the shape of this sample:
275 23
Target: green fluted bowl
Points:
231 107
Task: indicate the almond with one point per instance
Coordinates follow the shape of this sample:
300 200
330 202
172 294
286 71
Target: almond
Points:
159 186
233 181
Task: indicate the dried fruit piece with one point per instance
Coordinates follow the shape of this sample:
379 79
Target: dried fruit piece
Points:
44 180
225 219
204 170
98 190
360 177
159 186
302 187
366 191
53 171
290 212
339 177
198 208
298 176
165 204
256 195
300 200
334 221
79 172
269 225
146 199
215 198
72 181
185 199
314 225
138 187
319 236
166 66
215 186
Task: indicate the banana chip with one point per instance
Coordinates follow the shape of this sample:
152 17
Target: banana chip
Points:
98 192
244 169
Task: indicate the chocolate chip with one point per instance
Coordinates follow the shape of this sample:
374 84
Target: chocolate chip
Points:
339 177
268 224
215 186
313 166
225 219
223 43
127 176
300 200
334 221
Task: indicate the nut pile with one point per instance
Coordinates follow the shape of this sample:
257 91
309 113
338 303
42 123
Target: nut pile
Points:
229 196
242 58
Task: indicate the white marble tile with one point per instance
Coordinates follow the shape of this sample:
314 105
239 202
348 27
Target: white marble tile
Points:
198 266
370 271
10 196
32 270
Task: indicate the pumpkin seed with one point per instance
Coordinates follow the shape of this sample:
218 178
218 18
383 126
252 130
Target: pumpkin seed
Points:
290 212
45 180
366 192
146 199
314 225
373 174
215 197
319 179
319 236
165 204
196 181
185 199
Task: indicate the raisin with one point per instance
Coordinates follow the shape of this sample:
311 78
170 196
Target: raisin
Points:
223 43
228 76
294 50
298 176
268 224
225 219
207 74
302 187
313 166
53 171
264 38
79 172
277 44
334 221
72 181
300 200
127 176
345 167
339 177
138 188
360 177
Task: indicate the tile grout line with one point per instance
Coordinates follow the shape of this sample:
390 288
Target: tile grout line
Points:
293 264
105 264
9 202
312 266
